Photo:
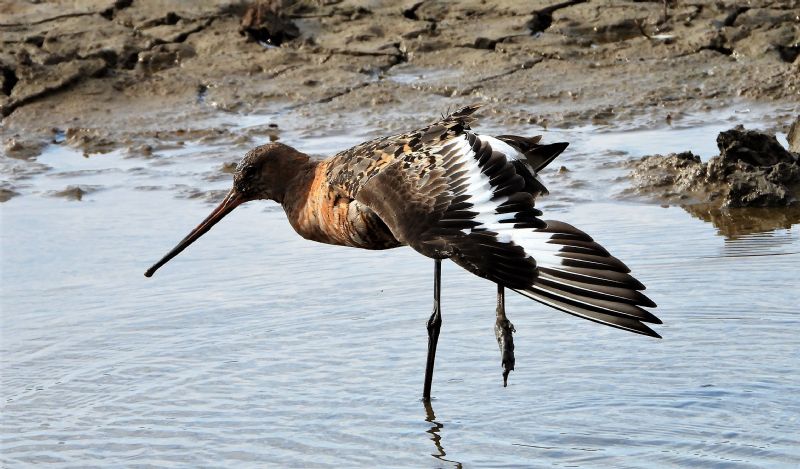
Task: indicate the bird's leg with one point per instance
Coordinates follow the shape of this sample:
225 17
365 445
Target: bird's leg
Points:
434 325
503 330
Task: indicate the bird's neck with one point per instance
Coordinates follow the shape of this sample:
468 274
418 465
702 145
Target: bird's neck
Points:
300 189
289 181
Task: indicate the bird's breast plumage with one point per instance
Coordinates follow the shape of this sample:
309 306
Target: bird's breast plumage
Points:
326 215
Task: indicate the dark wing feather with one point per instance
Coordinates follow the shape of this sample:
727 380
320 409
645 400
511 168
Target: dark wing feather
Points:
580 277
538 156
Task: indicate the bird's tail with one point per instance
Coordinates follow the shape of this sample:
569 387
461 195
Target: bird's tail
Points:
537 154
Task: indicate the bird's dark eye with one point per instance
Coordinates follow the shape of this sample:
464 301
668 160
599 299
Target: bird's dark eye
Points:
248 176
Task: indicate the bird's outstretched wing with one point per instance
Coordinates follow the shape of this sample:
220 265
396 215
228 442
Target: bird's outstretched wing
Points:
451 193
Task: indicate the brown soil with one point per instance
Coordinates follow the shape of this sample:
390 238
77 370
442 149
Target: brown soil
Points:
110 73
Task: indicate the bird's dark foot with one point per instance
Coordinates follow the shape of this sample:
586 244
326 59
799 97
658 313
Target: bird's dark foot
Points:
503 330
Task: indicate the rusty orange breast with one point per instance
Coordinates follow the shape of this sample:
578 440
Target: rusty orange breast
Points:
320 213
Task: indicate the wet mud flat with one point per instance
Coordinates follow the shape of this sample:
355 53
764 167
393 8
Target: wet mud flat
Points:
124 120
115 69
143 77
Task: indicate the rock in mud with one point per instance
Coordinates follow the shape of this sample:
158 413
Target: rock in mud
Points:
73 192
163 56
19 148
89 140
670 177
265 22
229 167
752 170
7 192
751 147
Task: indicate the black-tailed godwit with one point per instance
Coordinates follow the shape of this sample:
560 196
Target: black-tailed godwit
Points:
448 193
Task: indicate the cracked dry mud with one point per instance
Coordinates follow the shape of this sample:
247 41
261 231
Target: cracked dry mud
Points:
137 74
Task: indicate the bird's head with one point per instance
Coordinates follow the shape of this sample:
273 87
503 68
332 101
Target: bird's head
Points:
265 172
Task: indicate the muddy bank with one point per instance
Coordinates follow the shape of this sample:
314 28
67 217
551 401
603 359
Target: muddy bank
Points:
129 66
752 170
150 79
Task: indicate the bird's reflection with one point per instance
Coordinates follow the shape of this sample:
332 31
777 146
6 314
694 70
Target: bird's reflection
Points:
736 222
436 437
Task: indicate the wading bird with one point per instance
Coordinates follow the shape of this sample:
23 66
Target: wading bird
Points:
448 193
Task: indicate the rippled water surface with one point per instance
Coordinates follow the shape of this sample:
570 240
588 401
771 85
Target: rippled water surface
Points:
257 348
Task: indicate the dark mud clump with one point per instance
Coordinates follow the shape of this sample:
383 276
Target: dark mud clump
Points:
752 170
21 149
214 196
265 22
794 136
7 192
73 192
89 140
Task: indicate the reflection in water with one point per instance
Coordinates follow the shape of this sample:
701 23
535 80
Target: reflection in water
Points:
737 222
752 231
440 454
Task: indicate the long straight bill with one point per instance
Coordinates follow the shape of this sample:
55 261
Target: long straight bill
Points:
232 200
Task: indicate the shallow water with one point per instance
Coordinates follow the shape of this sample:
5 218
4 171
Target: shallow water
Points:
257 348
